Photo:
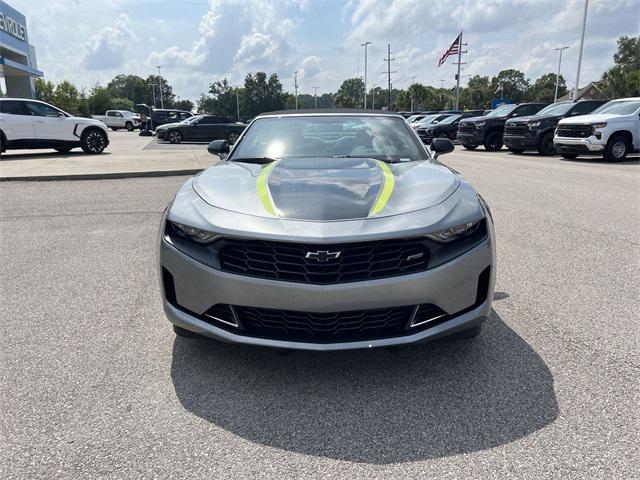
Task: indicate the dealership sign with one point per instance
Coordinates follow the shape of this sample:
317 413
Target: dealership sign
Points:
13 28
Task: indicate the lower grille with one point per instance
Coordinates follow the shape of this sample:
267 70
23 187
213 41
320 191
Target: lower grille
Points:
323 264
324 327
462 128
574 131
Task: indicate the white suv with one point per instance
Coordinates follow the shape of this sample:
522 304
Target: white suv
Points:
612 130
34 124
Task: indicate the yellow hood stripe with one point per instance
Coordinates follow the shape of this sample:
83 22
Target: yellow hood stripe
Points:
387 188
262 185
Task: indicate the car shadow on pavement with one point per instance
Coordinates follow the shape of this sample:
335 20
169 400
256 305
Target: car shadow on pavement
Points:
47 154
372 406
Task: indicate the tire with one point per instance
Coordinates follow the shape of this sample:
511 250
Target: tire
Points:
63 150
174 136
232 137
468 334
545 145
516 150
616 149
569 156
93 141
493 141
184 333
129 126
470 147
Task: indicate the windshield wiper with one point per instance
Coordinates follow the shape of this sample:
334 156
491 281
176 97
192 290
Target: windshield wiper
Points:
258 160
386 160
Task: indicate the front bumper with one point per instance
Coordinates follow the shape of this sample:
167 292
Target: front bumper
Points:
471 138
578 145
453 287
528 141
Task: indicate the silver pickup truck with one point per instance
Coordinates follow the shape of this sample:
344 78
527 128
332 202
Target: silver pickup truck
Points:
115 119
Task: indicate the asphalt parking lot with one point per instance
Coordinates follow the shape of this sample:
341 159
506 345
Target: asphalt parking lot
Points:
94 383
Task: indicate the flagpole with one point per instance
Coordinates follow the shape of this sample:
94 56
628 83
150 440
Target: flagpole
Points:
458 76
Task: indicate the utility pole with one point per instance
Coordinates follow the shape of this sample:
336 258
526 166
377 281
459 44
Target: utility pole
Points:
365 45
389 72
373 91
584 26
555 96
315 97
413 81
237 104
160 87
295 84
153 91
459 63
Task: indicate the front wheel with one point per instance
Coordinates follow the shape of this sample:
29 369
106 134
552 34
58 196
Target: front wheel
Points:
616 149
129 127
174 136
470 147
493 141
93 141
232 137
545 146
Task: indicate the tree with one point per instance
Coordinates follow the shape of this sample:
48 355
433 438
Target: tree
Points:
99 100
514 83
66 97
543 89
44 90
623 79
168 97
184 105
261 94
350 94
131 87
223 99
206 104
121 104
377 98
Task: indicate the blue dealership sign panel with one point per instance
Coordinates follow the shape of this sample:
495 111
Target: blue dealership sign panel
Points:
497 102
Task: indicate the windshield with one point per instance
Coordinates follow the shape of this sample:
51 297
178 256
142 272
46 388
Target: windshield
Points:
414 118
126 113
624 107
381 137
191 119
450 119
501 111
556 109
427 119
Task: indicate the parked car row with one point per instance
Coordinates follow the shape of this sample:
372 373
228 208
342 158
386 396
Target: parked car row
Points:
610 129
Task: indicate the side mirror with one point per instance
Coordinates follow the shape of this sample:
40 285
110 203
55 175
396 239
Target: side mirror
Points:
219 147
61 115
440 146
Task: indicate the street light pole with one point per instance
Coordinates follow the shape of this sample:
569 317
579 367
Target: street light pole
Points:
365 45
555 96
413 81
295 84
160 87
315 97
584 26
153 91
237 104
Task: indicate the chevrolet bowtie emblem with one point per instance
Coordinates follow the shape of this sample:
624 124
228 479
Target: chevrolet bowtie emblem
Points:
322 255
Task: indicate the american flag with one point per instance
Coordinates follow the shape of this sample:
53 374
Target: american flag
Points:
454 49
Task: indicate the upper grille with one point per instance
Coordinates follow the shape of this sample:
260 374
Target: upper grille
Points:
355 262
516 129
466 127
575 131
324 327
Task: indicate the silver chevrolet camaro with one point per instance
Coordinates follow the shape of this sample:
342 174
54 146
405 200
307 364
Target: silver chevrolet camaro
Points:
327 230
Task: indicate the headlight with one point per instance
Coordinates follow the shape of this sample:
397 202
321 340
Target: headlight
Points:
533 125
480 124
453 233
599 125
195 234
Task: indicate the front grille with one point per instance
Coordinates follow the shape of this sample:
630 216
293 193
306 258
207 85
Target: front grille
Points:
422 131
516 129
466 128
574 131
322 264
324 327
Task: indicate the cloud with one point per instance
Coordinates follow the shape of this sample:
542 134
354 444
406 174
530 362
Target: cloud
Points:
108 48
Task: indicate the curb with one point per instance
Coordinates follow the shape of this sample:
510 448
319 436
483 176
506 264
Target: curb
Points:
101 176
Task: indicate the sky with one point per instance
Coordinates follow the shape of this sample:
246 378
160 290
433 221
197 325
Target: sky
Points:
198 41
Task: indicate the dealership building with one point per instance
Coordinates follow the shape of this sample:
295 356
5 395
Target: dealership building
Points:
18 66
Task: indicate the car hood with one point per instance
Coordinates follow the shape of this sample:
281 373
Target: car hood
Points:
533 118
586 119
476 119
90 121
325 189
164 126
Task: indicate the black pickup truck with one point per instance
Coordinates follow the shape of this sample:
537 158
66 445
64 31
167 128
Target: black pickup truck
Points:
536 132
446 128
488 130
